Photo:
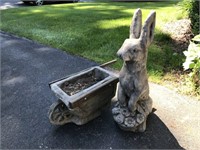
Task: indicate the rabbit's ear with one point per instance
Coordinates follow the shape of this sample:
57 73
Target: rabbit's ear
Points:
136 24
148 29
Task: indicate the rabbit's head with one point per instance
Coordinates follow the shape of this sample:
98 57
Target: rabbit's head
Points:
135 48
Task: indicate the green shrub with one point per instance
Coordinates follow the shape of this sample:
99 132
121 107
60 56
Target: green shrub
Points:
192 61
192 9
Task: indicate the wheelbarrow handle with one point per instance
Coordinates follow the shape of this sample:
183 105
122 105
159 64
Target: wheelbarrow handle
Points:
108 63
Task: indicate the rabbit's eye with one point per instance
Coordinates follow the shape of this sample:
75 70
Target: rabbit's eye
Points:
134 50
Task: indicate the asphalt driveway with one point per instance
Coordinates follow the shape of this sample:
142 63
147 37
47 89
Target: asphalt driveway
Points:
6 4
26 69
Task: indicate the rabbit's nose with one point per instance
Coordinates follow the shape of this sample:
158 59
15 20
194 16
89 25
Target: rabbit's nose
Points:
119 55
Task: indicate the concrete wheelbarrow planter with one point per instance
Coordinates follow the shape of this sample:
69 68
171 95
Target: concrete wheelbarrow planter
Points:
82 96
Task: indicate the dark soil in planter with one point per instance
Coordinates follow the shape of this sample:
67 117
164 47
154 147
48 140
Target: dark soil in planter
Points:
78 84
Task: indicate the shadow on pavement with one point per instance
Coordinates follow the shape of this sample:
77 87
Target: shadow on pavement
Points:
103 133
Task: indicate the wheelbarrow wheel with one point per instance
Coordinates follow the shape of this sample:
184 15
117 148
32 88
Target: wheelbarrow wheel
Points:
39 2
59 113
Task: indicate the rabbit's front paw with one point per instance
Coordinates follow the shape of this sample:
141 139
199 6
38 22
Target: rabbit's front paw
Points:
132 106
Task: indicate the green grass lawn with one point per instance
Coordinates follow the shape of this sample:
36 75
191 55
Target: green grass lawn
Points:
97 30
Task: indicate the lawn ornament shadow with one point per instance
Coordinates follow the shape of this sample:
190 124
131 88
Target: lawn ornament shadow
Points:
103 133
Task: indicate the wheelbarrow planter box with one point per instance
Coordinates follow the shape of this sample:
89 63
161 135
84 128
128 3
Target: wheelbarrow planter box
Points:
86 104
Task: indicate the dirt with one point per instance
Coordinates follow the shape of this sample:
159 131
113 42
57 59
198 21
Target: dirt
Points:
180 32
75 86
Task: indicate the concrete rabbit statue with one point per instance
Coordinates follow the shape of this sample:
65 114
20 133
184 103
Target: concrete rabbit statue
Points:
134 103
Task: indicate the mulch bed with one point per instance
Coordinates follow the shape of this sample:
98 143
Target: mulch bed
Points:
180 32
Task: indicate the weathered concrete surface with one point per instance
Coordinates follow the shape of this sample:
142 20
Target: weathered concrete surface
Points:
134 103
180 114
86 103
27 68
